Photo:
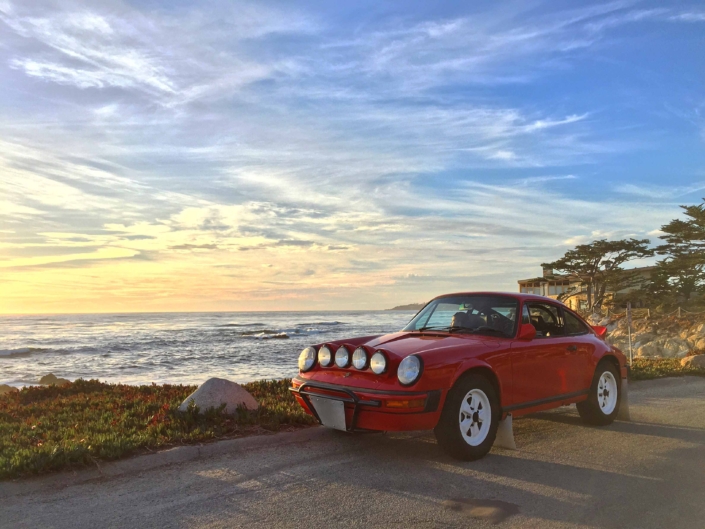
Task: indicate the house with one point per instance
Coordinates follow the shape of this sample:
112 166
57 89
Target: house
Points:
553 285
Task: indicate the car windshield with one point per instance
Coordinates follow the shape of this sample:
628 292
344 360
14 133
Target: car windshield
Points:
471 314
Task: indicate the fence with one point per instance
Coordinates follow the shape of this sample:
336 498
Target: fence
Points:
644 313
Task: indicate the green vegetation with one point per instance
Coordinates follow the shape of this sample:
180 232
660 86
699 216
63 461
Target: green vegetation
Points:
599 267
650 368
681 275
55 427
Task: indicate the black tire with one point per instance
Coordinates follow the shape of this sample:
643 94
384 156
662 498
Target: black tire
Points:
448 431
591 410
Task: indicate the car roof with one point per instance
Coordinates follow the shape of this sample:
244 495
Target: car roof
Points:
516 295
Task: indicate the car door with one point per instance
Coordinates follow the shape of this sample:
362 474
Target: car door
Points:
541 367
581 347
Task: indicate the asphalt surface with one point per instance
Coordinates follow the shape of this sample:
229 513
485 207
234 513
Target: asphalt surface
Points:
646 473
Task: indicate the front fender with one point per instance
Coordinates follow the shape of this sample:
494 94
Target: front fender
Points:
499 375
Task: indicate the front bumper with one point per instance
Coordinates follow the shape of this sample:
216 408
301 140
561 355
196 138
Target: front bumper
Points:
377 410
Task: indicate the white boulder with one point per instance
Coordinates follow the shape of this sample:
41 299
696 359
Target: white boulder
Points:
217 391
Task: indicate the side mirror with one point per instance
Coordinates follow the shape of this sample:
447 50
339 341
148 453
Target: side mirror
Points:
600 330
527 332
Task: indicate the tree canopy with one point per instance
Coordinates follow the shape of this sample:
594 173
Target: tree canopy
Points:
683 269
598 265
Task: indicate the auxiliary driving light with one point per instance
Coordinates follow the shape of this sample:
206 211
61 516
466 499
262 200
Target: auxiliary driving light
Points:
378 363
342 357
325 357
360 358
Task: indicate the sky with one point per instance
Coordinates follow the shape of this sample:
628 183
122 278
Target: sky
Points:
229 155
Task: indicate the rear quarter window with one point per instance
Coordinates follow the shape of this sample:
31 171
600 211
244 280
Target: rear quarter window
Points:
573 325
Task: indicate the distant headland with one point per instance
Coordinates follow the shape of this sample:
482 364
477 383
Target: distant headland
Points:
410 306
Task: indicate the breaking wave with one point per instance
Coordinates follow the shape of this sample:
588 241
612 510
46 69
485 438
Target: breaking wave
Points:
23 351
242 325
322 323
265 335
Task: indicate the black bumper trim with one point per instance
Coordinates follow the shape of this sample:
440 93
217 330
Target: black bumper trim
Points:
432 401
548 400
336 387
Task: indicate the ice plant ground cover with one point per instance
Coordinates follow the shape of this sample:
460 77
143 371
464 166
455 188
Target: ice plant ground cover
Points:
56 427
649 368
50 428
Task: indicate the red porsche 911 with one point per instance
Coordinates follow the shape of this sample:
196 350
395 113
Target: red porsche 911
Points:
463 364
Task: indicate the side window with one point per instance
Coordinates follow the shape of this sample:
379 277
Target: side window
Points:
573 325
525 316
546 319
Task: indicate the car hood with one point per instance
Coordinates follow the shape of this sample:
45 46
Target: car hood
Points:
402 344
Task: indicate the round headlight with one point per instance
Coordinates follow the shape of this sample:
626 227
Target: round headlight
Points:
378 363
342 357
325 357
307 358
409 370
360 358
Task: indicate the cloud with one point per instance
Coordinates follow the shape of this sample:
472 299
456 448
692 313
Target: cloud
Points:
659 192
688 17
125 49
100 254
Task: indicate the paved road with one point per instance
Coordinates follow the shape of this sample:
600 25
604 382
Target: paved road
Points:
647 473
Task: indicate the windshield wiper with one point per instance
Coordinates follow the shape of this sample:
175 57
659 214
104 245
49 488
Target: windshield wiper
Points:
434 328
446 328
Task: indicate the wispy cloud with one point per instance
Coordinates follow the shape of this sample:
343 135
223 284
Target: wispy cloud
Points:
688 17
660 192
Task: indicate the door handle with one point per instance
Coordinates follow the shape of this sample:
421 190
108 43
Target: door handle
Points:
572 348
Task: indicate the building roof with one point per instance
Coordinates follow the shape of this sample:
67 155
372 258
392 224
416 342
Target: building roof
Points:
552 277
559 277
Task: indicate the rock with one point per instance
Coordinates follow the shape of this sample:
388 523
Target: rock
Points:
664 347
216 391
53 380
4 388
651 350
698 329
694 361
699 345
675 348
643 338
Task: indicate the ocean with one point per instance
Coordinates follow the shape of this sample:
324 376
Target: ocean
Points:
174 348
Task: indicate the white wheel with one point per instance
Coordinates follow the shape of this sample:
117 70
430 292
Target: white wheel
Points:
475 417
607 393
